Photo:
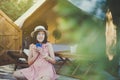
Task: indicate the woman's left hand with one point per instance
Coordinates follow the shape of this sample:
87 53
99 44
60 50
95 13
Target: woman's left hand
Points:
47 58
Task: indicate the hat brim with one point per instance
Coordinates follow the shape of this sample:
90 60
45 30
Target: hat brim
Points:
32 33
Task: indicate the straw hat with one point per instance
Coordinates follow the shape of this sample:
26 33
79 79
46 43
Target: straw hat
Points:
38 28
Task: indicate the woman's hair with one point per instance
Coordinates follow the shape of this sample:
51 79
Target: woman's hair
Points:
35 37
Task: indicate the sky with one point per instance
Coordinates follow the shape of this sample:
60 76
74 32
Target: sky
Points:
91 6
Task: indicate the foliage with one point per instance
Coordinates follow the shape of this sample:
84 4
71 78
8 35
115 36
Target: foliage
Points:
15 8
88 32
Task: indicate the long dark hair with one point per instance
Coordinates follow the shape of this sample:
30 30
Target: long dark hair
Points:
35 37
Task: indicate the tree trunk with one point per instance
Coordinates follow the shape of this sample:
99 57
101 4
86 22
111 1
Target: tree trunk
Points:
112 41
110 36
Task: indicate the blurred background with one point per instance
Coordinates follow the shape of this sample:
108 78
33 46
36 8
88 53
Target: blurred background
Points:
80 23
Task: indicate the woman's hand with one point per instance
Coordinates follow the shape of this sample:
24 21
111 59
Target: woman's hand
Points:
35 49
39 49
32 48
46 58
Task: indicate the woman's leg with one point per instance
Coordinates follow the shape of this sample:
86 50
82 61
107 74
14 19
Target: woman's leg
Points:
19 75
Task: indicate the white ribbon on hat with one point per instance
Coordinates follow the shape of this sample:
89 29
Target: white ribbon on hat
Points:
39 28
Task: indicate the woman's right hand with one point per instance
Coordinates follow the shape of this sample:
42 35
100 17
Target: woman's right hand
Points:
39 49
32 46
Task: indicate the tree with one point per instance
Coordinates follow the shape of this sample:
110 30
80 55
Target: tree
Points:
88 32
113 6
15 8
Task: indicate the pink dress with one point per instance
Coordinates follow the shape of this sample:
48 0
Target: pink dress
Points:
40 68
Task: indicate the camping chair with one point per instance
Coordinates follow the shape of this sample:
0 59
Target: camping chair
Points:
19 58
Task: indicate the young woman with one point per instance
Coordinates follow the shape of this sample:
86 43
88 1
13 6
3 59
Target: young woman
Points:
40 59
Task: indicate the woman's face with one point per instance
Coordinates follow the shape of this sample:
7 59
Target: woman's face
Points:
40 36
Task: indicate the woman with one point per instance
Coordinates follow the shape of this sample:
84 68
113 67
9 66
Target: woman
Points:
40 59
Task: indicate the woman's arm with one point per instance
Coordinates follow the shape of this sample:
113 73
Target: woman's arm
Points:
32 55
51 57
